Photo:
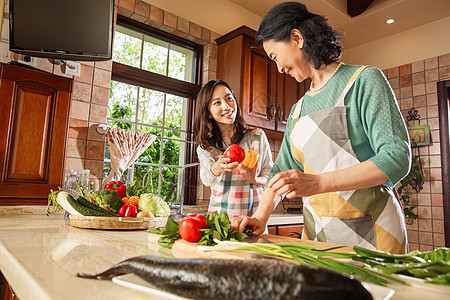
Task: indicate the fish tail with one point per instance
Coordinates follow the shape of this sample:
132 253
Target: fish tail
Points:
117 270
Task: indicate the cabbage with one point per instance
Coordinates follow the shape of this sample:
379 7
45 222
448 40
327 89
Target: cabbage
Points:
154 204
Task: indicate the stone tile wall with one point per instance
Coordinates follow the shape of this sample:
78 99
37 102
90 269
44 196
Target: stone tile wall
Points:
415 85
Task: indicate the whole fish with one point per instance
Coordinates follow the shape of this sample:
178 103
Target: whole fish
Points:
238 279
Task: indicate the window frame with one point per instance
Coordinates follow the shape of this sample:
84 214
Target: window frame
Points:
147 79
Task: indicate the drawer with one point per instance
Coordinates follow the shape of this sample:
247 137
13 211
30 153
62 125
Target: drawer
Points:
291 231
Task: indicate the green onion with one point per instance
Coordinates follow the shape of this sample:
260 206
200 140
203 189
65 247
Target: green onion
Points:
307 254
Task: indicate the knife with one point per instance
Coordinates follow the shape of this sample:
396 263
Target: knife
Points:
253 238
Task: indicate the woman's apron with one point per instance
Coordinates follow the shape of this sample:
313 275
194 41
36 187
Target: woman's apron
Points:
235 195
370 217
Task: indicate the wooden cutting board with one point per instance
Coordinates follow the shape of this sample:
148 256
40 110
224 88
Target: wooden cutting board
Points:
192 248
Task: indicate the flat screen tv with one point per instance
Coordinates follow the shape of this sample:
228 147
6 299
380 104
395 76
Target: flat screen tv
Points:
62 29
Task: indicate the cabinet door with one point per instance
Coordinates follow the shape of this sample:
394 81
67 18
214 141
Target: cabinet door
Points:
257 109
33 129
290 91
291 231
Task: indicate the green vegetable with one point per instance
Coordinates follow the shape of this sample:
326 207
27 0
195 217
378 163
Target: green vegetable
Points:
219 227
433 266
99 212
170 233
136 189
307 254
154 204
109 199
53 202
73 207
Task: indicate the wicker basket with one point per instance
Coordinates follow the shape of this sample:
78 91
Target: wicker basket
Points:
116 223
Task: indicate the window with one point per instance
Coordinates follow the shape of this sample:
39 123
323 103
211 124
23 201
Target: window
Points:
155 78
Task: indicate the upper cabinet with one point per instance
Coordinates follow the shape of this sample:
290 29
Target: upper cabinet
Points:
33 132
265 95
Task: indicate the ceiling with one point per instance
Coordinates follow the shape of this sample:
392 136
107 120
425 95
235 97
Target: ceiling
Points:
370 25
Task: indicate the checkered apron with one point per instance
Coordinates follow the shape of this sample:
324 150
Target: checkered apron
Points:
235 195
370 217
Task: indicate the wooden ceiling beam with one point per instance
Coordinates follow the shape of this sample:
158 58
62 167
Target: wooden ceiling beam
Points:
357 7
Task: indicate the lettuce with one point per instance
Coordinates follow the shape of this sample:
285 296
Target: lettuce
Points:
154 204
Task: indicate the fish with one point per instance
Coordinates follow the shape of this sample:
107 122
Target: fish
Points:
238 279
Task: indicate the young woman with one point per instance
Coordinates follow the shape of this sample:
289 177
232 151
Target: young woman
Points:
345 146
218 123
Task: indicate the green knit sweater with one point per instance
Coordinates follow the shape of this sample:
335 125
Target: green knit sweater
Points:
376 127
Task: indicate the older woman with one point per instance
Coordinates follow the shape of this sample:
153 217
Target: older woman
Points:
345 145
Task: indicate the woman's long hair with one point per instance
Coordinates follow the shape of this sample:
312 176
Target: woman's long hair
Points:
208 133
322 45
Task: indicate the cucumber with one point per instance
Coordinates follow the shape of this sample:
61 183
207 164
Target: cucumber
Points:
74 207
93 206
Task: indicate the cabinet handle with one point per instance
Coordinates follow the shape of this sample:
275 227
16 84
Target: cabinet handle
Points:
298 235
280 113
271 108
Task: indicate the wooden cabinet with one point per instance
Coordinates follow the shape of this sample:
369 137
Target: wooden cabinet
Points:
6 292
294 231
33 132
265 95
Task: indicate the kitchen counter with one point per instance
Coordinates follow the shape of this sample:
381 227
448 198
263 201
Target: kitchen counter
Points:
40 256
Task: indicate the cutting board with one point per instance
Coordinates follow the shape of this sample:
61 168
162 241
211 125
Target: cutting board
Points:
193 250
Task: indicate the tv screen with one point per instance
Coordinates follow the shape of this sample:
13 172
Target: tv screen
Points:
62 29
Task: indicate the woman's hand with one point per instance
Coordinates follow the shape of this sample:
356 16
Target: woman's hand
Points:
222 165
257 225
248 174
296 184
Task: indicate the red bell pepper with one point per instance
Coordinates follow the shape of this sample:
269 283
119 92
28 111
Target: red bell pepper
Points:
128 210
117 186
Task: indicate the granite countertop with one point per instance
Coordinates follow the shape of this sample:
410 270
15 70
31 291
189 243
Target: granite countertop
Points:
40 257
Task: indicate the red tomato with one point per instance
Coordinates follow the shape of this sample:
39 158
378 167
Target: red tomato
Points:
235 153
189 227
200 218
128 210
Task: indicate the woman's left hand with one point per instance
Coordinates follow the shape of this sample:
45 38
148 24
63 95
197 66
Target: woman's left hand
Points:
295 183
248 174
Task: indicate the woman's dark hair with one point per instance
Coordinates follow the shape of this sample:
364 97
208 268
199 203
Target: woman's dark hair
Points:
208 133
321 42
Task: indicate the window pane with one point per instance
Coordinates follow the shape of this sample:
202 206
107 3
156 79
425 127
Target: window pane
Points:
151 107
152 153
169 184
155 56
127 46
177 65
122 101
175 134
153 130
176 112
181 62
151 180
171 152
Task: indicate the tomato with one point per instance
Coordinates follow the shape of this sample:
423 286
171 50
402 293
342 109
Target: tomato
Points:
128 210
200 218
190 225
235 153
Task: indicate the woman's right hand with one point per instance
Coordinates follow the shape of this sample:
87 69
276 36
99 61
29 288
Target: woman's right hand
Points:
257 225
222 165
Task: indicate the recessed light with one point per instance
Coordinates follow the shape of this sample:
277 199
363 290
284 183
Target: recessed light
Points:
390 21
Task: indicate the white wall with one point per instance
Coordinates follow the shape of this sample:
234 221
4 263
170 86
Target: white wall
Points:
429 40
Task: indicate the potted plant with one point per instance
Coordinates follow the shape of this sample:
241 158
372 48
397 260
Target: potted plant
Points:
413 182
